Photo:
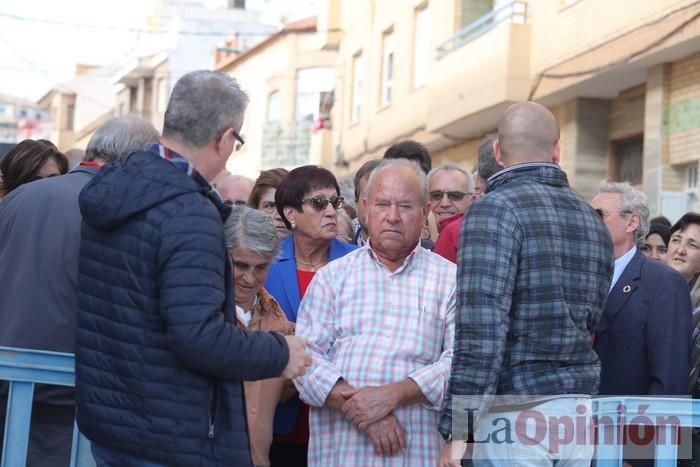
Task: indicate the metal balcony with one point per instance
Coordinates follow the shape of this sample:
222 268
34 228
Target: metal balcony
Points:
514 12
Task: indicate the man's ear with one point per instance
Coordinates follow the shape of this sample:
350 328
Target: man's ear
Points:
224 144
633 223
497 153
556 152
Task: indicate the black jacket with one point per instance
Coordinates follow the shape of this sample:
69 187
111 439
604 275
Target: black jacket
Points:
159 358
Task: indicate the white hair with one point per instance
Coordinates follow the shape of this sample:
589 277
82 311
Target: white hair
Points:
454 168
631 202
415 168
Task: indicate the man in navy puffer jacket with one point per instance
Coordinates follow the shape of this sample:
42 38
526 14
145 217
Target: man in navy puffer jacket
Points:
159 358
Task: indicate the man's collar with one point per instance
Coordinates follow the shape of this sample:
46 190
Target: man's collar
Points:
407 261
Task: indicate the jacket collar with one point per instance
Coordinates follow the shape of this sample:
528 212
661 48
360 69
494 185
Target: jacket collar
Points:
445 222
542 172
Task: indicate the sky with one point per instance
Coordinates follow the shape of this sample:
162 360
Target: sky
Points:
41 41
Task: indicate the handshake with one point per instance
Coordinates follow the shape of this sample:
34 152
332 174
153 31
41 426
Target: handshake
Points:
299 358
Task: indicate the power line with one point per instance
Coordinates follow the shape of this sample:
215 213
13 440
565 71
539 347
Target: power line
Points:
102 27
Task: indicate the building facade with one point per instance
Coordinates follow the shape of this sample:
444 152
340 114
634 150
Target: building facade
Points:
179 38
289 78
620 76
21 119
78 105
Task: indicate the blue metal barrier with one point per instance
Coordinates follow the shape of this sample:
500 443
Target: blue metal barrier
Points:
667 415
23 369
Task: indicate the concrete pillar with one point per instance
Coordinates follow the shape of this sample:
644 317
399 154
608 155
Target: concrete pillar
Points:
592 118
654 139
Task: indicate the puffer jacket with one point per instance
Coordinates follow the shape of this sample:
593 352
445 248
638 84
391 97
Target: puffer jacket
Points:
159 357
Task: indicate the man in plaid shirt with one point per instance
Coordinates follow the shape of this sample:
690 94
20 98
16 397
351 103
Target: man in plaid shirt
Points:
379 323
534 269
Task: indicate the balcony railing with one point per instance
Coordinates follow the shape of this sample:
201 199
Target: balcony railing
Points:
513 12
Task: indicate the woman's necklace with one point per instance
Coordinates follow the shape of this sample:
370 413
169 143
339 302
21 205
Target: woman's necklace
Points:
314 266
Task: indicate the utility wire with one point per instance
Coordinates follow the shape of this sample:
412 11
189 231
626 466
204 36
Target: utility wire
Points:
141 30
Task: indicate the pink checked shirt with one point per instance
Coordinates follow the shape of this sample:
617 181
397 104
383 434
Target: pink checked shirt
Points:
371 327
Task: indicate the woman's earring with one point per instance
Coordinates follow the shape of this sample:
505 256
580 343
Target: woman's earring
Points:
293 224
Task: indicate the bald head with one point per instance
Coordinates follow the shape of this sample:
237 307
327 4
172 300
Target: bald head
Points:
527 132
236 189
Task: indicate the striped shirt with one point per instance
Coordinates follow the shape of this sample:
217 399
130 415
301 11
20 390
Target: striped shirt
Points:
371 327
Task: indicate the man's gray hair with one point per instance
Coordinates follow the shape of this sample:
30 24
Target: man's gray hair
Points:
631 202
454 168
251 229
202 106
119 137
487 165
417 170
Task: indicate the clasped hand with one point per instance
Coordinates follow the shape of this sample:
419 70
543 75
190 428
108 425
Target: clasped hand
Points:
369 410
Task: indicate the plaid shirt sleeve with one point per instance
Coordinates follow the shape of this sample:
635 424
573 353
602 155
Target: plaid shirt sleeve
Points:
432 379
487 265
315 324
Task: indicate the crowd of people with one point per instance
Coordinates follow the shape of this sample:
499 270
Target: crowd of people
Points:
307 319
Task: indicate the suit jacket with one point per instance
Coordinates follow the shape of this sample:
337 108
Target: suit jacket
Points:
644 336
39 242
282 283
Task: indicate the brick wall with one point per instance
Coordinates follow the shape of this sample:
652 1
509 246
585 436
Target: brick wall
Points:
627 113
682 114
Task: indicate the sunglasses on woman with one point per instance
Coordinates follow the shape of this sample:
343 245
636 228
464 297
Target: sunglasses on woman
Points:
320 203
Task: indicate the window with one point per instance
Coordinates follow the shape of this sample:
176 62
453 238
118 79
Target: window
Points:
388 47
70 117
629 155
311 82
357 73
421 47
273 107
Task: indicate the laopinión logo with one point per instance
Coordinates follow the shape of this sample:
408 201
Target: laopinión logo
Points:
571 427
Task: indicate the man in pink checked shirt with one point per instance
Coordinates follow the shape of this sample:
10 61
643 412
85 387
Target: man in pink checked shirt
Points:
379 323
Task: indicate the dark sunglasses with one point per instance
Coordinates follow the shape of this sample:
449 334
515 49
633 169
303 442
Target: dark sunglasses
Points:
451 195
319 203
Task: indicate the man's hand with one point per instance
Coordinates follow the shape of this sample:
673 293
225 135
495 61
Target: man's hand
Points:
368 405
450 458
299 358
387 436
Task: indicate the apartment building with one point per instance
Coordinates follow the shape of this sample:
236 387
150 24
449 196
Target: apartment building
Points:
620 76
289 78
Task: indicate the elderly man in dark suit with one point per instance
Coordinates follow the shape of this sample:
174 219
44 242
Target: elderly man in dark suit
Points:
643 337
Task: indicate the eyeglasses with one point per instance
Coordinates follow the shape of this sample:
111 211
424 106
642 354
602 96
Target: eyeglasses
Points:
451 195
239 139
603 213
320 203
268 207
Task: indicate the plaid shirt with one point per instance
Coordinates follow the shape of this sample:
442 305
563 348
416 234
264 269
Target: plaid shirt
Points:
372 327
534 270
